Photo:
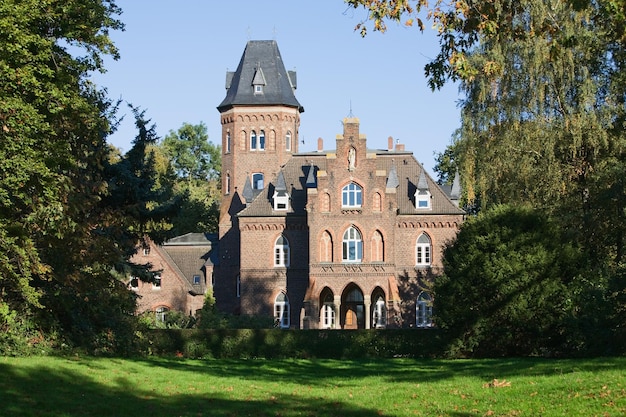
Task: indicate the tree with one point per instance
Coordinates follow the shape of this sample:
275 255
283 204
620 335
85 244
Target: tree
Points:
192 155
507 286
197 163
53 125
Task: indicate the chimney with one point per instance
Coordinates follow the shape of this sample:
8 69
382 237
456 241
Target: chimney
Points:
399 146
390 143
320 144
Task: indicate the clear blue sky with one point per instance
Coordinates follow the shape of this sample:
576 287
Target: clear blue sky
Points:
175 54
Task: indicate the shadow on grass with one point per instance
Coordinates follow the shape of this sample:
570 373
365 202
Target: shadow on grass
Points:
45 392
120 387
316 372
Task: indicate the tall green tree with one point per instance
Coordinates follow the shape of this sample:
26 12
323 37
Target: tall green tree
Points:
192 155
197 163
53 125
71 212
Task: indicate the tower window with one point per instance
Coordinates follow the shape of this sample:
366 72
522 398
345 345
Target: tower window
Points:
257 181
262 140
288 141
253 140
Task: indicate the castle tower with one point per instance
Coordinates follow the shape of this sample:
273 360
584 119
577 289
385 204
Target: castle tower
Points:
260 119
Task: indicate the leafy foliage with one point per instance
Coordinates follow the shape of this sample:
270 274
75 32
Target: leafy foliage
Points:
507 287
197 165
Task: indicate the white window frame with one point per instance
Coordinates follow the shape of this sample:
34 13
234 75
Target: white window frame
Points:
253 140
258 183
281 202
157 283
379 315
422 199
352 245
258 89
281 311
134 280
160 312
352 196
288 141
424 310
281 252
328 316
423 251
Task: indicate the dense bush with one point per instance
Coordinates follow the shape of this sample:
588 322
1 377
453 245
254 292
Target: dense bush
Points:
277 343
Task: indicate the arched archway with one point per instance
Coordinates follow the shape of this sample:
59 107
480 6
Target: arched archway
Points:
327 309
379 309
352 308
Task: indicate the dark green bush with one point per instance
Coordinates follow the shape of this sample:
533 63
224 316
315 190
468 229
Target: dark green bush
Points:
276 343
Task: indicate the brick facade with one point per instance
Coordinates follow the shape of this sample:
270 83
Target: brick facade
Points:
324 284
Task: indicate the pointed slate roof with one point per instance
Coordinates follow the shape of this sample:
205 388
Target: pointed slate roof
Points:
392 179
455 192
421 182
310 179
247 194
261 61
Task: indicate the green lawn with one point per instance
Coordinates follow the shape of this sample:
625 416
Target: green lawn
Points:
50 386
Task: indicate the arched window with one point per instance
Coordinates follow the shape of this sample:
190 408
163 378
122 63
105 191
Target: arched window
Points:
253 142
379 315
281 252
328 311
257 181
160 313
423 250
377 247
288 141
351 195
262 140
281 311
227 185
352 245
424 310
227 145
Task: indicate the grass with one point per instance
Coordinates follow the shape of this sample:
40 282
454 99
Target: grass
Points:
84 386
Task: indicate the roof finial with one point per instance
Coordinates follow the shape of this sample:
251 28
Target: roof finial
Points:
274 32
249 31
350 115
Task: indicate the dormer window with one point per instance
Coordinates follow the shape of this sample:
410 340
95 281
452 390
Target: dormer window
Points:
258 81
422 194
422 199
281 201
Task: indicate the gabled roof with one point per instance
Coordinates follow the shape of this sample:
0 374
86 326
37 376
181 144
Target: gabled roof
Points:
260 63
409 175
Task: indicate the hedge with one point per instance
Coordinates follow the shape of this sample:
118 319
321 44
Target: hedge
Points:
277 343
